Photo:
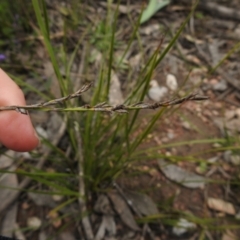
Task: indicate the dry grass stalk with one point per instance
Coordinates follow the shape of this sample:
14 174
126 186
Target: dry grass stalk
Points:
101 107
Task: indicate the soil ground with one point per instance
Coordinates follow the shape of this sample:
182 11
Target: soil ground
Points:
204 42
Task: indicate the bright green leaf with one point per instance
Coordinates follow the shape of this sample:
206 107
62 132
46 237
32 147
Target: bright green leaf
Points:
152 8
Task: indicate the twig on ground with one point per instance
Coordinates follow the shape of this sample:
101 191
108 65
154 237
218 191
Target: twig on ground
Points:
131 205
220 10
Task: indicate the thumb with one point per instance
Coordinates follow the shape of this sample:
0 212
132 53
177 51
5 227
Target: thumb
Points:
16 130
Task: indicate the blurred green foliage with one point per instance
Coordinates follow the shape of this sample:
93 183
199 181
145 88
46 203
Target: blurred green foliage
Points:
14 18
6 19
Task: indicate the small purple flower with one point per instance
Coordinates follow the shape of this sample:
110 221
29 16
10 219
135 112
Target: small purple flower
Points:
2 57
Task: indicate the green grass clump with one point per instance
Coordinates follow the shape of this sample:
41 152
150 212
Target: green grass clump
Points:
102 143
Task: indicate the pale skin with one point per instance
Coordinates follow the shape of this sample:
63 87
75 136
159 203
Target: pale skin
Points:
16 130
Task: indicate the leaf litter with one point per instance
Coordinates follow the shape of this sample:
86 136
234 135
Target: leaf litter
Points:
181 176
204 41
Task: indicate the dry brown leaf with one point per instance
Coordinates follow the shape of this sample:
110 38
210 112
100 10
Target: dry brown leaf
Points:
123 210
228 235
7 181
6 160
221 206
181 176
9 220
103 205
107 225
143 203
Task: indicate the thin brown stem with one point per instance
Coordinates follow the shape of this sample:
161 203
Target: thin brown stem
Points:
101 107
